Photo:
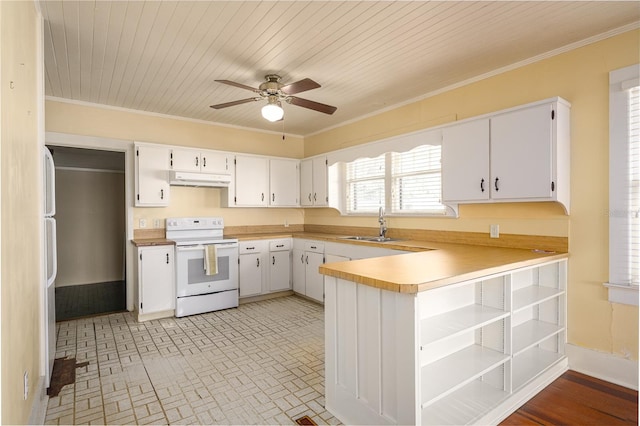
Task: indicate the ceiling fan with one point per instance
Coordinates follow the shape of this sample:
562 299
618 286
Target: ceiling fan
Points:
275 93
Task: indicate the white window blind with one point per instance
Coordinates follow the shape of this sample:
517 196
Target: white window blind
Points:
624 185
634 181
416 184
401 182
365 181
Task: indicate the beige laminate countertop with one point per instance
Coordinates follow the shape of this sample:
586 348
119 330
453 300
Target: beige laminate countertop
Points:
145 242
431 265
443 265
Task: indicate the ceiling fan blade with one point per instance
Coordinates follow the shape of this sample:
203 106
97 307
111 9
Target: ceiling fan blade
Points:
242 86
316 106
234 103
299 86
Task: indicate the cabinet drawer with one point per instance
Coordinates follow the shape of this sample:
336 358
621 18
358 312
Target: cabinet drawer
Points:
255 246
314 246
280 245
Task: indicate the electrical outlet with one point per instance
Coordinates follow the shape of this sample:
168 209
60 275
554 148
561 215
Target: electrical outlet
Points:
26 385
143 223
157 223
286 223
494 231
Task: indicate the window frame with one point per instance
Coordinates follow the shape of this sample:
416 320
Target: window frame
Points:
344 202
621 290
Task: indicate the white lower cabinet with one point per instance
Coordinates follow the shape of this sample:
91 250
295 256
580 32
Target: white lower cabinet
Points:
466 353
308 255
280 264
156 280
265 266
251 266
314 287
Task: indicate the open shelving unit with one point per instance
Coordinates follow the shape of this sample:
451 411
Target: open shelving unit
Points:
464 349
538 319
481 341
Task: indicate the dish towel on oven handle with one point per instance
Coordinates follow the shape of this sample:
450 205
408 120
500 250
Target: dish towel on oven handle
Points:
210 259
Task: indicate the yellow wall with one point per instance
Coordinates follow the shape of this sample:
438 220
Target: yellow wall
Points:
121 124
581 77
20 218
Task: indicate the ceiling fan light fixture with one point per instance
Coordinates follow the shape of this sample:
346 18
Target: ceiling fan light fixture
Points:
273 110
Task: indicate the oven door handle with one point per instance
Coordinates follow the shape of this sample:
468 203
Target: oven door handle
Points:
190 248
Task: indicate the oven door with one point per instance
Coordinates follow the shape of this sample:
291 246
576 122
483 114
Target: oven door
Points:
191 279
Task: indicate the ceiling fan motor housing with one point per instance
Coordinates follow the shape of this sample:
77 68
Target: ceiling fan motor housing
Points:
272 85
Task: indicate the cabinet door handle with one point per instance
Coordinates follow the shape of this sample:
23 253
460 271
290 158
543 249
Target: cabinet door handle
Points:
482 185
496 185
307 260
257 262
302 258
262 195
167 258
162 194
204 161
309 197
279 245
196 161
314 197
273 260
273 197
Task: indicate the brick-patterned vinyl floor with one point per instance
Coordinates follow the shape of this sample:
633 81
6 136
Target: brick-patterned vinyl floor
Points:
262 363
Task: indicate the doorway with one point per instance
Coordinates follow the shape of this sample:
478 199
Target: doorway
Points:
90 215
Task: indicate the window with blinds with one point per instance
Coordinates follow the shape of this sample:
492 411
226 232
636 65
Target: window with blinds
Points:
624 185
365 179
403 183
634 181
416 184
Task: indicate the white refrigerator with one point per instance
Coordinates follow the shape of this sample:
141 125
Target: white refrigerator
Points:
50 255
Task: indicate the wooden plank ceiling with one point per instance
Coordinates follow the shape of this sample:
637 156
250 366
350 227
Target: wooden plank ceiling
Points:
163 57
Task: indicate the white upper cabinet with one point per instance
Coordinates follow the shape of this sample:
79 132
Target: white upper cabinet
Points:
251 181
195 160
465 161
520 154
313 182
151 177
284 182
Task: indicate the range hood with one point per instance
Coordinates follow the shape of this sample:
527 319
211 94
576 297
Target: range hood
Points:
199 179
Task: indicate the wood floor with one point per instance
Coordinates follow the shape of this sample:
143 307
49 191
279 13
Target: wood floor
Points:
576 399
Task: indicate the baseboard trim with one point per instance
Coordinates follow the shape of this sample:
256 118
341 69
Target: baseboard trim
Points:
40 402
520 397
262 297
603 366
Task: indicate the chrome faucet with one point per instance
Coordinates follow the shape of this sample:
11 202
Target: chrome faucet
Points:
382 222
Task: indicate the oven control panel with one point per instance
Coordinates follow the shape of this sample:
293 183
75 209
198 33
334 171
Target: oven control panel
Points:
192 223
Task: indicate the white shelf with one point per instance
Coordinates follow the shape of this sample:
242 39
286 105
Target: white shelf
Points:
531 364
445 376
533 295
465 405
531 333
458 321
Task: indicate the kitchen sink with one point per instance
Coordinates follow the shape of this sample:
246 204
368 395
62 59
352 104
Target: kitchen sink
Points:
371 239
